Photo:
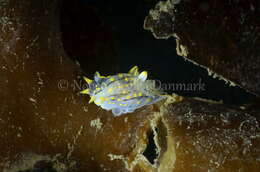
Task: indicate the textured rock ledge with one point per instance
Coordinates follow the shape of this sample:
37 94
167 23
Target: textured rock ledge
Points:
213 137
223 36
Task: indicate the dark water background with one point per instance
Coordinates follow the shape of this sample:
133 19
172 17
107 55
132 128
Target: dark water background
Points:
108 36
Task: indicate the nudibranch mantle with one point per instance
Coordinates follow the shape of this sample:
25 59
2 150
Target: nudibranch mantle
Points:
122 93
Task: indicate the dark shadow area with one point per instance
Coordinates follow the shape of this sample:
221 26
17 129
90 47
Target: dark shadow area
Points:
150 151
108 36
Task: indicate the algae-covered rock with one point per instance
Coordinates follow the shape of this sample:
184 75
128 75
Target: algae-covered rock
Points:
46 125
222 36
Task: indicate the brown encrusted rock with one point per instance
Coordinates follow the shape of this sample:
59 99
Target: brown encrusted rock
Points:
213 137
42 116
46 125
223 36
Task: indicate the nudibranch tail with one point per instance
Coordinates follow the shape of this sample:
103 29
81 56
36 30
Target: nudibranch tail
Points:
122 93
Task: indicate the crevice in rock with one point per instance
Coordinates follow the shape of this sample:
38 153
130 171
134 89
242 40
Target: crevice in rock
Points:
150 151
157 142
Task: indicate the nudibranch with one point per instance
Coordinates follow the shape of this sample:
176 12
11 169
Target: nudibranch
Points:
124 92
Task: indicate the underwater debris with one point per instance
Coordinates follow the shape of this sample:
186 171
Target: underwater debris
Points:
122 93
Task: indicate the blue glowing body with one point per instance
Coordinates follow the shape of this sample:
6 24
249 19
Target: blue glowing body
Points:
124 92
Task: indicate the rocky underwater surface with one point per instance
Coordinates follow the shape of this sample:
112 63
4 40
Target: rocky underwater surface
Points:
46 125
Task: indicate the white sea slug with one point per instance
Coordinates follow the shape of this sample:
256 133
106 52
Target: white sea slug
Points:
122 93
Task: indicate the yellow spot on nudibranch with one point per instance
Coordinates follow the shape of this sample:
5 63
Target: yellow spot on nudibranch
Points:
120 75
134 95
97 89
102 99
112 79
138 102
121 104
128 97
112 98
140 94
110 90
148 100
126 79
124 92
119 100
